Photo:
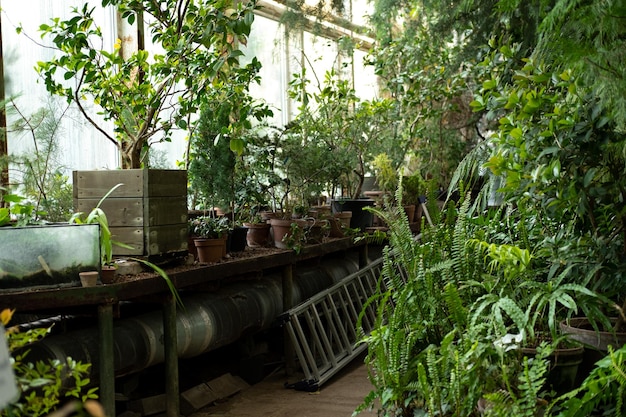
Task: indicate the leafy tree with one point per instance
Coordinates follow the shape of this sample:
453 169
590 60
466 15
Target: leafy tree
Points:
43 183
146 95
589 37
421 71
350 132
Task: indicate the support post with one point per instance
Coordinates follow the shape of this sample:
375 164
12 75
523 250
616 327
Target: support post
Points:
170 344
107 359
363 256
287 284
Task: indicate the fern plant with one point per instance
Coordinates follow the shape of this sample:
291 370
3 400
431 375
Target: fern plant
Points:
603 392
419 357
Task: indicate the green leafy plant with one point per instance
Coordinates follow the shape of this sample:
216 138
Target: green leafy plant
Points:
603 391
136 90
43 385
209 227
17 211
41 181
98 216
295 238
560 155
422 356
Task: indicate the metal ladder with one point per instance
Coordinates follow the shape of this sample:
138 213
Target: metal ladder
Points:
323 330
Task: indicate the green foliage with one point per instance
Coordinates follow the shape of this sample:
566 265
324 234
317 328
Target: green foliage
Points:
340 132
43 385
560 157
603 390
99 217
526 384
421 358
421 72
18 210
199 44
217 175
209 227
589 38
386 176
42 183
212 163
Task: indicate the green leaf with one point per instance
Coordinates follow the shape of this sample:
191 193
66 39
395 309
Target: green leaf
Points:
589 176
237 146
489 84
516 133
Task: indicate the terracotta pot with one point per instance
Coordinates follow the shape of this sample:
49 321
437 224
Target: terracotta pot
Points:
258 234
323 212
344 217
88 278
361 218
410 212
210 250
280 228
107 274
317 231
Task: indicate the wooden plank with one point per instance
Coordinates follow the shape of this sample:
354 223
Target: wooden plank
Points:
165 182
132 236
161 211
95 184
201 395
138 212
120 212
166 239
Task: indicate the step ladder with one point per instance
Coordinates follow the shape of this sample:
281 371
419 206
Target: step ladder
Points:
322 330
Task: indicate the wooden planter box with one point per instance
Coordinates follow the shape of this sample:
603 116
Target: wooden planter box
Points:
149 212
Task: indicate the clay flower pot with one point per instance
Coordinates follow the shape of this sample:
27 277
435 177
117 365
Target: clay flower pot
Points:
210 250
280 228
258 234
88 278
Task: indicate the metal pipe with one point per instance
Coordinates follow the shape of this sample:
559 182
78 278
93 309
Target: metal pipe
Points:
208 321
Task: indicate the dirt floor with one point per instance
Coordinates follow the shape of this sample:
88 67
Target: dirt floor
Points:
338 397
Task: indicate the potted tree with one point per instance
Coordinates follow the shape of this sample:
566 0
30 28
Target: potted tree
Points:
135 90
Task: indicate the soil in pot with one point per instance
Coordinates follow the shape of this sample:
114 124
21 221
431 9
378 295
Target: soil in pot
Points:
344 217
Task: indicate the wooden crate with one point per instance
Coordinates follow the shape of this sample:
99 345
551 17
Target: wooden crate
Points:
148 212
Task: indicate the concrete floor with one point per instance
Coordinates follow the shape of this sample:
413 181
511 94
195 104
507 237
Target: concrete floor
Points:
338 397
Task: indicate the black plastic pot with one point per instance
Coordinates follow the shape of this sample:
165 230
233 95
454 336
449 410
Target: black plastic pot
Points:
361 219
237 239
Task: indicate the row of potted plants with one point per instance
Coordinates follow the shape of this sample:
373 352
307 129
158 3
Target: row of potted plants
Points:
212 236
